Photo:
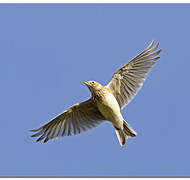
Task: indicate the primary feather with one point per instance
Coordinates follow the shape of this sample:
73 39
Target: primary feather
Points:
128 80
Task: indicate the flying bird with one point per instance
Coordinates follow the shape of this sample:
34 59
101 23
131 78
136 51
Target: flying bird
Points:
106 102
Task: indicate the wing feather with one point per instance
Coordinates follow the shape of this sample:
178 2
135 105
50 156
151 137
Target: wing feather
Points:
78 118
128 80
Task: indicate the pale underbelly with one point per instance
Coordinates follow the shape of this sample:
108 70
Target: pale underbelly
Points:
110 109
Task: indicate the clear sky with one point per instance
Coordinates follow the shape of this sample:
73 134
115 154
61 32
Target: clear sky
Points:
48 51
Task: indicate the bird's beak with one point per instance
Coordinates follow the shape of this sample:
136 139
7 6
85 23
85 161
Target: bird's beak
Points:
86 84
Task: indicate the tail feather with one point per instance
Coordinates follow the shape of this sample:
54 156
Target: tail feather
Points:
128 130
123 135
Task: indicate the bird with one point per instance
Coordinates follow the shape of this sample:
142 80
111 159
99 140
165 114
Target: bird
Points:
106 102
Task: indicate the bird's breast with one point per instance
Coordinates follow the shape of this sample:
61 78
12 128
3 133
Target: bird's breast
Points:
109 107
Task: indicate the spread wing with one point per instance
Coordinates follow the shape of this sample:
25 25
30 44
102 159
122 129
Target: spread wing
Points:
78 118
128 80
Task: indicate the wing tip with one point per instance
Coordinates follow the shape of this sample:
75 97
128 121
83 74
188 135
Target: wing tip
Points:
34 135
40 138
156 58
46 140
158 52
34 130
151 44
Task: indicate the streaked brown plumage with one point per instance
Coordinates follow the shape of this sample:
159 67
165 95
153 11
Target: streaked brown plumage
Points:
106 102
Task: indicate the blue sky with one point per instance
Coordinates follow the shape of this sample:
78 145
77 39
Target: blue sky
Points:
48 51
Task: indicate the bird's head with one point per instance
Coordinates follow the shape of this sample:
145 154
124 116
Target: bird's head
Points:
93 86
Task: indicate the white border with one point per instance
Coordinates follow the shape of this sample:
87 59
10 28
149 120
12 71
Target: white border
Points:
47 178
94 1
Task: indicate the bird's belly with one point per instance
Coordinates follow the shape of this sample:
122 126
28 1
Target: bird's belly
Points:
110 109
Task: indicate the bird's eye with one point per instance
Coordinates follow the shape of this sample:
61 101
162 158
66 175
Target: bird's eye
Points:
92 82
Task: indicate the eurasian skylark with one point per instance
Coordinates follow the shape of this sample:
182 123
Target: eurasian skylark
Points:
106 102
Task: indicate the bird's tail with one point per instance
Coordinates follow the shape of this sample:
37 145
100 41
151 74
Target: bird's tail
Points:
125 133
